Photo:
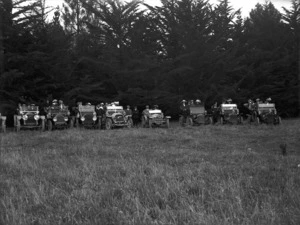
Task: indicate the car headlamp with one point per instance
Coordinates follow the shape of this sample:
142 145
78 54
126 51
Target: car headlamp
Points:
36 117
82 118
25 117
54 119
66 118
94 118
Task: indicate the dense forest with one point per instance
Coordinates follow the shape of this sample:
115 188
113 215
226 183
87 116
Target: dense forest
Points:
128 51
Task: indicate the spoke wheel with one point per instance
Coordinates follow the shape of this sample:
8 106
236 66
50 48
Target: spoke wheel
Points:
108 124
49 125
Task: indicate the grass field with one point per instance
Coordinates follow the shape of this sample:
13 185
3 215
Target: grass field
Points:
195 175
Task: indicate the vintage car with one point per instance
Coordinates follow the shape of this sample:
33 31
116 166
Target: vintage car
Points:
155 118
266 113
198 115
29 117
3 123
229 113
87 117
58 116
115 116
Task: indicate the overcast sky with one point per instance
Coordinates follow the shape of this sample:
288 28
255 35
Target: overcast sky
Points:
245 5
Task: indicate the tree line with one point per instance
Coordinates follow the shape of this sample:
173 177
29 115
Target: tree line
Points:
105 50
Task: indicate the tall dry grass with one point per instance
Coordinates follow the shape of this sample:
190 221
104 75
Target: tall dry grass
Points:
199 175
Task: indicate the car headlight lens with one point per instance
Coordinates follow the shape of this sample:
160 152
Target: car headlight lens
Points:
94 118
66 119
25 117
82 119
36 117
54 119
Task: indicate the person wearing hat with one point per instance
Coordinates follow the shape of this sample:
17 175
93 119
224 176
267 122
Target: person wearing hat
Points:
61 104
229 101
145 113
54 102
198 101
155 107
128 111
135 116
100 109
191 103
268 100
184 110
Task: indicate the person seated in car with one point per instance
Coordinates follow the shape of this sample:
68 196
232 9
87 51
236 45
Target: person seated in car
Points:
198 102
155 107
54 102
268 100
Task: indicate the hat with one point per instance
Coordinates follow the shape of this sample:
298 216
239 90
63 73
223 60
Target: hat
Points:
229 100
183 100
88 103
101 103
54 100
269 99
198 100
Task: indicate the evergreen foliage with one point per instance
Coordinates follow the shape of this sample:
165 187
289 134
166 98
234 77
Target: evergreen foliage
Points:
104 50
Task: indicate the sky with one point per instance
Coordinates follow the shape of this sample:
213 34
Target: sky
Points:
245 5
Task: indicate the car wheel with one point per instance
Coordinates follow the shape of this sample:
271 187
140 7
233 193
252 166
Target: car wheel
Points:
108 124
130 123
49 125
150 123
257 121
191 123
241 120
181 121
43 125
279 120
168 123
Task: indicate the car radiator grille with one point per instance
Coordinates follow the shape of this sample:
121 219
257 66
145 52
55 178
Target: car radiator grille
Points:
60 119
119 118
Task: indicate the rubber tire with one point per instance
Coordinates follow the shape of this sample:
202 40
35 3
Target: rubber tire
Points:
18 125
49 125
181 121
241 120
279 120
150 123
191 123
167 123
221 120
130 123
43 125
4 128
257 121
108 124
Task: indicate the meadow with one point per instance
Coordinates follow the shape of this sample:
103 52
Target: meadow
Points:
210 175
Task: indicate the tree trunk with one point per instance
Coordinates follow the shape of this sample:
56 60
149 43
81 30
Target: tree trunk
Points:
1 41
299 76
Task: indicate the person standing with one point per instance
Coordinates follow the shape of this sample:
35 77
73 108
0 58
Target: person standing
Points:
135 116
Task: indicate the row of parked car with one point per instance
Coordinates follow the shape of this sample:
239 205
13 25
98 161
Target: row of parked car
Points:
59 116
87 116
228 113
